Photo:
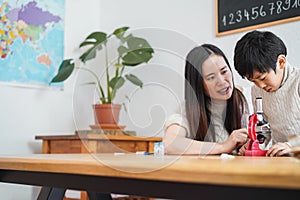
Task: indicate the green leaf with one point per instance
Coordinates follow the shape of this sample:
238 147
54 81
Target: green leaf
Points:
65 70
134 79
136 57
122 50
125 107
116 82
119 32
127 97
128 37
125 39
88 55
135 43
95 40
85 43
139 51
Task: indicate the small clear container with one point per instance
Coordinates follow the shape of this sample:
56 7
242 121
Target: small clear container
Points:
159 149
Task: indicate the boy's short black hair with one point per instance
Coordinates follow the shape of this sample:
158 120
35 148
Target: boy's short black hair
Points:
257 51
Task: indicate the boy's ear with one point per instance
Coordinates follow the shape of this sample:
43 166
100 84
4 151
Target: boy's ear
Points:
281 61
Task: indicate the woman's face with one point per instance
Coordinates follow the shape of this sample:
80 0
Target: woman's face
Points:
217 78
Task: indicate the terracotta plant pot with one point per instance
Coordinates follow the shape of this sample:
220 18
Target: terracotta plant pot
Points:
107 114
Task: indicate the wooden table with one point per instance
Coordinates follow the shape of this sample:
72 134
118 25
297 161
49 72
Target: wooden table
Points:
89 141
186 177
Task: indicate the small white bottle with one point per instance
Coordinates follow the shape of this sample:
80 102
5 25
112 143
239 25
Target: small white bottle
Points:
159 149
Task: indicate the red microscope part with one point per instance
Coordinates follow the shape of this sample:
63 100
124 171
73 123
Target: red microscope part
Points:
252 148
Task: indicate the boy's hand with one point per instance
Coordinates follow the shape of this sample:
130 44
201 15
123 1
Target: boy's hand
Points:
279 149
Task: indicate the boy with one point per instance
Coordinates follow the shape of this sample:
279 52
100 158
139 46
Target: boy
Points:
261 58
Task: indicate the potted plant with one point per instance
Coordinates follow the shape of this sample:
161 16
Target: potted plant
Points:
131 51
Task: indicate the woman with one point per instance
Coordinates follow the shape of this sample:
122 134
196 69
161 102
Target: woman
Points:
214 111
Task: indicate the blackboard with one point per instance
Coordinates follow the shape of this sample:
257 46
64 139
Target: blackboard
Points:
241 15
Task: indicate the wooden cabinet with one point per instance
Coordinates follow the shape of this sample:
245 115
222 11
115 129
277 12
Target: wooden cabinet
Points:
96 143
85 142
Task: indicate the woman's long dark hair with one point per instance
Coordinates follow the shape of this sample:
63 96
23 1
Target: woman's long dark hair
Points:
197 102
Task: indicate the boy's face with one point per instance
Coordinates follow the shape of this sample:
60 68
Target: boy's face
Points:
269 81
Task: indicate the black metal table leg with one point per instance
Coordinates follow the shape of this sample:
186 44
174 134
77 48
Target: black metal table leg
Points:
49 193
99 196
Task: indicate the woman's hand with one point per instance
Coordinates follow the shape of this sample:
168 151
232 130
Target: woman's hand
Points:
243 149
236 139
279 149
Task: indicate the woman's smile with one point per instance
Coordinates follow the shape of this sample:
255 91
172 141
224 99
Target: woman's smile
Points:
224 91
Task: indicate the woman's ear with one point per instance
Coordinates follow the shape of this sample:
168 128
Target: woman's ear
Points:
281 61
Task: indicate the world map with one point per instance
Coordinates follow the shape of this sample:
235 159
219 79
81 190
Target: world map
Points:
31 40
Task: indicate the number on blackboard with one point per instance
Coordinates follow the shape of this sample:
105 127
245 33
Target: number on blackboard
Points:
235 15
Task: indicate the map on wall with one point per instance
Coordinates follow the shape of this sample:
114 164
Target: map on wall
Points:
31 46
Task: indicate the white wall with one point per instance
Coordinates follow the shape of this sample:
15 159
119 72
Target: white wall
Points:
26 112
173 27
